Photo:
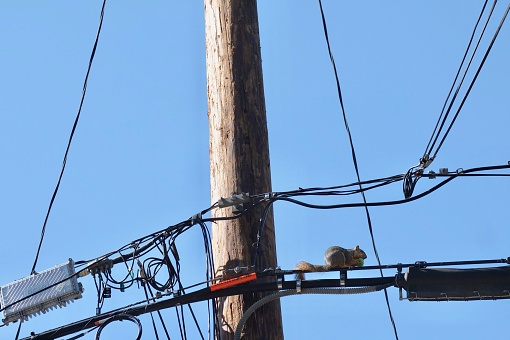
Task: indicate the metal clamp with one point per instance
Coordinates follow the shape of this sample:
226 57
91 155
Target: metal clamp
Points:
343 277
280 282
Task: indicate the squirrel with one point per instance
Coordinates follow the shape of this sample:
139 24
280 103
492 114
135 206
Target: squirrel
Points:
335 257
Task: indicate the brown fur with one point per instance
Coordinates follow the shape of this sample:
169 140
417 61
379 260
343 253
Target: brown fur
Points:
334 258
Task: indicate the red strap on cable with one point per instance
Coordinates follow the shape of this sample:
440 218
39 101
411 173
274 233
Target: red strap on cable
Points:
233 282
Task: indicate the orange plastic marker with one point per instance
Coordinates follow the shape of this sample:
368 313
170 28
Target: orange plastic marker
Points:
233 282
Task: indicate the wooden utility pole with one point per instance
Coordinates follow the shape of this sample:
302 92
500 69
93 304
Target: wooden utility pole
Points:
239 155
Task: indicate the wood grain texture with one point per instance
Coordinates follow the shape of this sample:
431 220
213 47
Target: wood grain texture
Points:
239 153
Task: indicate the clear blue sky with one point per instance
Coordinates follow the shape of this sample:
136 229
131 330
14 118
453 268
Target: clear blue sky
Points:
139 160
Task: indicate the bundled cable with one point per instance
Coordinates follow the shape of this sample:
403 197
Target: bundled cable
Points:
120 317
152 266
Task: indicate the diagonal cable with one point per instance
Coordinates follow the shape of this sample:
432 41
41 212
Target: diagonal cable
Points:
353 153
444 114
70 139
473 81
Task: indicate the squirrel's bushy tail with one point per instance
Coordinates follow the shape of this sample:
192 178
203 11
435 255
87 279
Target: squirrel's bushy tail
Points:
303 265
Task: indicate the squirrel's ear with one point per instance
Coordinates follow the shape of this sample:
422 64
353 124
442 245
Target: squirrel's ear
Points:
357 248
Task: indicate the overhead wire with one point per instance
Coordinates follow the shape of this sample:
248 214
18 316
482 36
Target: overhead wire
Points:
430 144
147 291
431 151
207 293
84 91
354 159
473 80
415 173
450 177
283 196
287 196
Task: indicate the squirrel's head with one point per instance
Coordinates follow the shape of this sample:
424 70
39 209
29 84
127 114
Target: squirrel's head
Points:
359 253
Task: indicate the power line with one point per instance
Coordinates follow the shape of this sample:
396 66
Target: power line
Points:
450 177
454 82
354 159
145 244
239 286
158 240
430 152
416 172
70 138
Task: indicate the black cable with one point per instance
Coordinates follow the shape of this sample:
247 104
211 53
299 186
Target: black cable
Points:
396 202
152 316
257 257
473 81
120 317
287 196
179 321
148 291
426 154
210 272
354 159
89 265
70 138
183 332
254 287
100 288
19 330
152 265
410 179
284 196
160 316
430 154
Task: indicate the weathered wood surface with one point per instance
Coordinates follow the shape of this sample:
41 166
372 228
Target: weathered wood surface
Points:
239 153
